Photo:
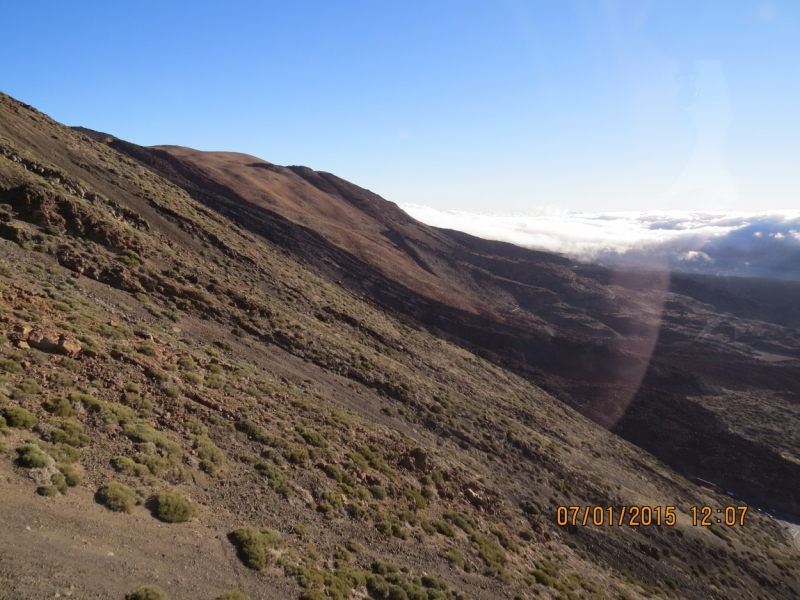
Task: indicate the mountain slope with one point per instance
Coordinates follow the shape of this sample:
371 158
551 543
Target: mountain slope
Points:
588 335
151 341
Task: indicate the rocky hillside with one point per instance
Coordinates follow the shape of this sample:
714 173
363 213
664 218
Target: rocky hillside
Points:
202 392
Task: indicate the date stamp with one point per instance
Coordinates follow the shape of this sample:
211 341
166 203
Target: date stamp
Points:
646 516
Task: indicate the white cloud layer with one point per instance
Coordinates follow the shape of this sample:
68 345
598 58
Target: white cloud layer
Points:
755 244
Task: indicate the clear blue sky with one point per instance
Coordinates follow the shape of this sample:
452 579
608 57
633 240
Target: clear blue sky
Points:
495 105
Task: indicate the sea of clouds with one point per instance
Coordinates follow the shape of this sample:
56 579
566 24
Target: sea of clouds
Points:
755 244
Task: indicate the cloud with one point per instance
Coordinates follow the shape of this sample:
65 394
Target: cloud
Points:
763 244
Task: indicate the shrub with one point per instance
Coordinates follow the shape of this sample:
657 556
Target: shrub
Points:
48 490
59 482
489 550
276 477
252 545
211 457
147 592
89 401
233 595
144 433
156 374
117 497
378 492
297 457
192 378
71 477
416 499
9 366
31 457
461 520
187 363
18 417
444 528
312 438
70 364
171 392
59 407
173 507
64 453
148 348
70 433
28 387
128 466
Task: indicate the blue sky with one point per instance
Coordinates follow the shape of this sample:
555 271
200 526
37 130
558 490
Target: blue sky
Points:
505 105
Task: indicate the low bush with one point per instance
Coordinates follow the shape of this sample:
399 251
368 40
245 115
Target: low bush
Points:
59 407
252 545
117 497
48 490
31 457
9 366
378 492
71 477
147 592
18 417
211 457
276 477
174 507
233 595
128 466
444 528
297 457
70 433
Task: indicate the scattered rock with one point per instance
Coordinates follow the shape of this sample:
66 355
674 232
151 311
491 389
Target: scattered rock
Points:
416 460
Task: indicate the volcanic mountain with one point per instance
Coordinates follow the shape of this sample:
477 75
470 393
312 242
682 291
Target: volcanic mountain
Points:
219 373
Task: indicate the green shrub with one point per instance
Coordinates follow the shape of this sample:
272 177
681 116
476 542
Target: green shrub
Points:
29 387
276 477
31 457
128 466
233 595
461 520
455 558
70 433
70 364
60 407
252 545
71 477
174 507
66 454
117 497
187 363
148 348
192 378
90 402
48 490
58 480
9 366
297 457
489 550
170 391
416 499
18 417
444 528
378 492
312 438
147 592
211 457
156 374
140 432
